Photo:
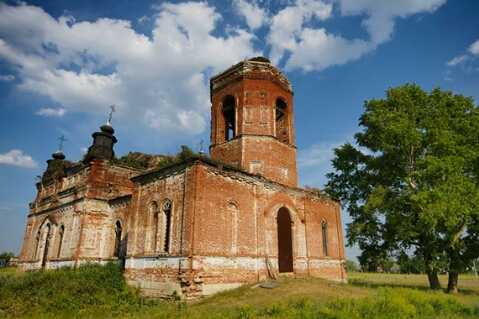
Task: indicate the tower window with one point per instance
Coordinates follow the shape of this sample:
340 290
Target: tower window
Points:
228 111
282 121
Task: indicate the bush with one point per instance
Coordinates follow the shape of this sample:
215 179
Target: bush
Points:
184 154
67 290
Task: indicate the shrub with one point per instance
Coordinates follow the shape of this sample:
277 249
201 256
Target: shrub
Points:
67 290
184 154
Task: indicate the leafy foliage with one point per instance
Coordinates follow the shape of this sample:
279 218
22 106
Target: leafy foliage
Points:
68 291
128 161
55 165
411 265
350 266
7 255
413 180
170 160
94 291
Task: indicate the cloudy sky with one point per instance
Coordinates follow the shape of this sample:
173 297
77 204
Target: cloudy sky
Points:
64 62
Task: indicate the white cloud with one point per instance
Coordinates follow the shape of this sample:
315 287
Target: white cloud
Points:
457 60
162 82
287 27
17 158
7 78
314 48
144 20
466 60
318 50
51 112
254 15
474 48
87 66
381 14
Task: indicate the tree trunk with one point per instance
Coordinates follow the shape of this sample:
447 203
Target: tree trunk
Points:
452 282
434 283
433 280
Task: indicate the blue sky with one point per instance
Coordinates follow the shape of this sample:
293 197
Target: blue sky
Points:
63 63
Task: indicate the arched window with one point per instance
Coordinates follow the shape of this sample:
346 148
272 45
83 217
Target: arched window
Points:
324 233
117 247
152 228
282 121
228 110
47 246
61 231
166 221
37 245
231 226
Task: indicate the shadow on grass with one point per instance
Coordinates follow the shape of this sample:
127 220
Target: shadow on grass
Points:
421 287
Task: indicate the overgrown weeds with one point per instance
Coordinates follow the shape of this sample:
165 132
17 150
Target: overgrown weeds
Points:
94 291
68 291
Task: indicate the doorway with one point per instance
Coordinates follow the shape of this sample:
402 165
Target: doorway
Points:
285 241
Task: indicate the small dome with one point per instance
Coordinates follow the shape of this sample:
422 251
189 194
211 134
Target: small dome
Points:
107 129
58 155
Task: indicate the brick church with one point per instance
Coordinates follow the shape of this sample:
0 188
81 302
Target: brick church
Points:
199 225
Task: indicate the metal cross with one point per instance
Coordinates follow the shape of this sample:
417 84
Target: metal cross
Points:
112 107
62 139
201 146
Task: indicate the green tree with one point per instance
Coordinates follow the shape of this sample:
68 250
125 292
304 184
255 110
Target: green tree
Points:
412 182
350 266
411 265
7 256
387 264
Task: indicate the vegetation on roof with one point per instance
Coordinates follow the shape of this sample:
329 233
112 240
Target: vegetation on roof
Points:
55 165
129 161
184 154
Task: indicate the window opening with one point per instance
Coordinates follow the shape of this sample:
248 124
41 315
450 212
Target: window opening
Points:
228 111
47 246
324 231
37 245
282 121
152 231
61 231
117 247
166 224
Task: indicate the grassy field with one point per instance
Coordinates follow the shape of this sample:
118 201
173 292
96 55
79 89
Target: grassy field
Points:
7 271
100 292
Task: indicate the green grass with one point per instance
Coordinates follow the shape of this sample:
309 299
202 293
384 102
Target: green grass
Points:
94 291
7 271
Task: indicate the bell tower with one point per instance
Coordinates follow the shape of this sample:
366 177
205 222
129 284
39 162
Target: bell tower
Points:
252 123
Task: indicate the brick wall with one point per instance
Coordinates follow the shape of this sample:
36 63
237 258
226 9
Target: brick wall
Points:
77 198
223 226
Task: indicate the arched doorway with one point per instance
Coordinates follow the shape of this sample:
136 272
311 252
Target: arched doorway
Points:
285 241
